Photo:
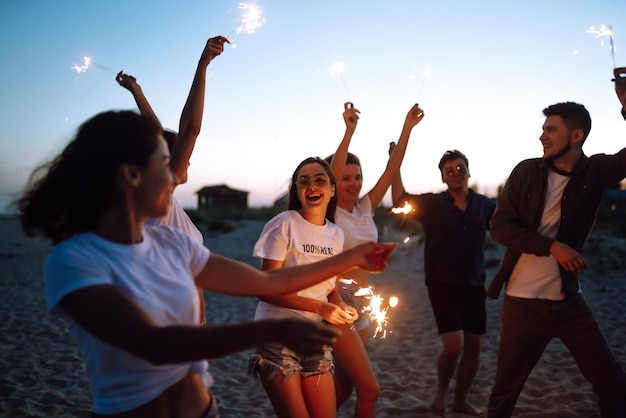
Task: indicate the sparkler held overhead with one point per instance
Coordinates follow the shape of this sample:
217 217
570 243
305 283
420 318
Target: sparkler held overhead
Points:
250 20
602 32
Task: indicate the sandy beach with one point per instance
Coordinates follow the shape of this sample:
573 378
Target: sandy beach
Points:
41 373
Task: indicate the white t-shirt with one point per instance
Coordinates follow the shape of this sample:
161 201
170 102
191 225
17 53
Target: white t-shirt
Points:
178 218
290 238
158 274
539 277
358 226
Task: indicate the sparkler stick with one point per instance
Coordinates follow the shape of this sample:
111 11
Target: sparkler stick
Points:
337 68
426 74
604 31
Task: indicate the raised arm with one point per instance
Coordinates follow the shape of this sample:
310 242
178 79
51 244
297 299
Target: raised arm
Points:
413 117
350 117
231 277
191 117
130 83
620 87
397 187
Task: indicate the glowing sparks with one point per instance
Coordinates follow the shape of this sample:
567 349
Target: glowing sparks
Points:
81 68
406 209
251 20
407 239
336 68
604 32
375 309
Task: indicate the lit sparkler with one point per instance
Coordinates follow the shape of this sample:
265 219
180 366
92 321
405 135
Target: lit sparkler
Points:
81 68
337 69
375 309
251 19
603 32
85 66
406 209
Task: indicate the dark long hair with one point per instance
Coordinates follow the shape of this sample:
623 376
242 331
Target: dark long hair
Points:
69 194
294 203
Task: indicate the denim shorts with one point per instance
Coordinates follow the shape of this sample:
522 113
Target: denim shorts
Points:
278 358
347 291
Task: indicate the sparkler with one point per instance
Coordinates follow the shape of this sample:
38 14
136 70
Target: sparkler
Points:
602 32
85 66
406 209
375 310
337 68
251 19
426 74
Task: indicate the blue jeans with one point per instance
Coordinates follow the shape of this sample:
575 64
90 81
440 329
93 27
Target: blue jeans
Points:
527 327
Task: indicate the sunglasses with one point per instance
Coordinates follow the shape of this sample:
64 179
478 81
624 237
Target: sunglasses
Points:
304 182
459 169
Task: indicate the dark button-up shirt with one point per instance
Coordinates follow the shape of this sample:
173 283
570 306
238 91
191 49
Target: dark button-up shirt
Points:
454 248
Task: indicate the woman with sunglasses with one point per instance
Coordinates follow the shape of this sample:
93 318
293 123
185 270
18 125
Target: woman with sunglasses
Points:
300 385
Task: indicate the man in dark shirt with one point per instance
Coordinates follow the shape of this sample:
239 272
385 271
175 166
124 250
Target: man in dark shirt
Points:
455 224
544 215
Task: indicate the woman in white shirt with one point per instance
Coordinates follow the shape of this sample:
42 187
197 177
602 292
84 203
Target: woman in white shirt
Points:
127 289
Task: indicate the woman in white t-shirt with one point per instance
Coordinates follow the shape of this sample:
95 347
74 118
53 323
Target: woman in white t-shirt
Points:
355 216
301 385
181 144
127 289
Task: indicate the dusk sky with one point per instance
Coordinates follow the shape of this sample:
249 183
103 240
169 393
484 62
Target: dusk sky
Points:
482 71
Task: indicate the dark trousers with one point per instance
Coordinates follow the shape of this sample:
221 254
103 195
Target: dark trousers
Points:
527 327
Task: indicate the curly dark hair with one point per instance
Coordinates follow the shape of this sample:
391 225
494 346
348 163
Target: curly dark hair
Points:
69 194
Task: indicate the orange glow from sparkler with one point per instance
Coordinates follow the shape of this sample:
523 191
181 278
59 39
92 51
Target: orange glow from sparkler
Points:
251 20
406 209
375 310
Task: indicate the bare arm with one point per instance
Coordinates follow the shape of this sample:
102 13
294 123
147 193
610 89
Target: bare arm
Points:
191 117
397 187
413 117
332 311
231 277
350 117
112 316
130 83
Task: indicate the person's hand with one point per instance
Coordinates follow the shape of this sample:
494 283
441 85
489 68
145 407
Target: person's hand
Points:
414 116
374 255
214 47
337 315
392 146
127 81
305 337
350 115
568 258
620 84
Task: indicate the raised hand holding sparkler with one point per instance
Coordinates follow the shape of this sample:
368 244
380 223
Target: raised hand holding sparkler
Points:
620 85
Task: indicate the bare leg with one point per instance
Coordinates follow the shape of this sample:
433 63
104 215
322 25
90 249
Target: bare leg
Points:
452 345
468 366
286 396
319 396
354 367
